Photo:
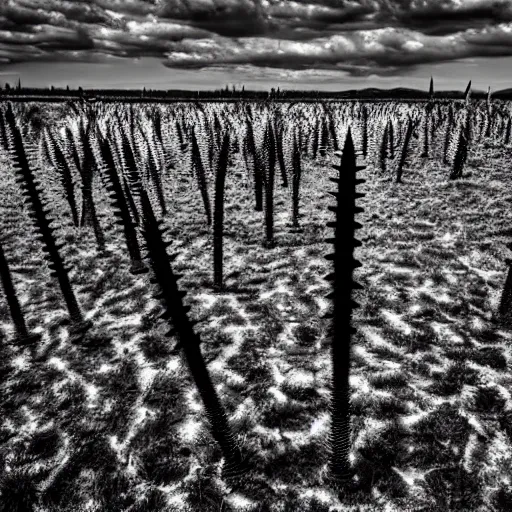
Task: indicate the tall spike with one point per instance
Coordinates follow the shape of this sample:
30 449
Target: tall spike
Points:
341 290
189 340
23 337
122 210
218 214
296 179
467 92
42 224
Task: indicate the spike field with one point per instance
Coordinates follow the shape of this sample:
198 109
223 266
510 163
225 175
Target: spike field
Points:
255 306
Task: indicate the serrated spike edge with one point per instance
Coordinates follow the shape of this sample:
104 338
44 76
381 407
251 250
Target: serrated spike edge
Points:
188 339
38 212
342 285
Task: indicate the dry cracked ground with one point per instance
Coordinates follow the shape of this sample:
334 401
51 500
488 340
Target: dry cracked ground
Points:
116 424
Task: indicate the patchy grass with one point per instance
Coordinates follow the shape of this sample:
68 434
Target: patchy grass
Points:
115 423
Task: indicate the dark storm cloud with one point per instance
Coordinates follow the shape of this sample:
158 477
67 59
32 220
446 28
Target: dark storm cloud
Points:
19 15
231 18
128 7
298 21
86 12
57 38
493 36
319 13
444 17
357 36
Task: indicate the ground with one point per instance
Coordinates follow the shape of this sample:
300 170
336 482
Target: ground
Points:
116 423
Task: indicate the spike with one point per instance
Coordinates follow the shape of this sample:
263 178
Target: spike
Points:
330 277
137 267
334 194
334 180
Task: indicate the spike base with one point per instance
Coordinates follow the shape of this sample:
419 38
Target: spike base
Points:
28 340
344 486
77 330
235 470
137 267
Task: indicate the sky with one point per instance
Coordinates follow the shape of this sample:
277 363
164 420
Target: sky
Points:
300 44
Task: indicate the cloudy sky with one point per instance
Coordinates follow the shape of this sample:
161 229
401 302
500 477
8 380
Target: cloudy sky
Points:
300 44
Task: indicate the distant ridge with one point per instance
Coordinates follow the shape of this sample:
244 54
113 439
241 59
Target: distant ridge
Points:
503 94
407 93
369 93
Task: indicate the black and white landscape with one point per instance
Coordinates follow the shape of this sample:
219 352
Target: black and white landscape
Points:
255 256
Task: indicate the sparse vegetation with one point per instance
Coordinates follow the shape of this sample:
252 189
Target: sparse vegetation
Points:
113 418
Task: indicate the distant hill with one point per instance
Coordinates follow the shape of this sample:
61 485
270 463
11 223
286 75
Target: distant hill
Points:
407 93
369 94
503 94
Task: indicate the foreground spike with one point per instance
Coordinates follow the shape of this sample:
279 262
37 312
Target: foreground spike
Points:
42 224
218 214
340 316
23 337
189 340
505 306
122 212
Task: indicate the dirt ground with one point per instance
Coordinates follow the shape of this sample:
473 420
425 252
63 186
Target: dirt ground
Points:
115 423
